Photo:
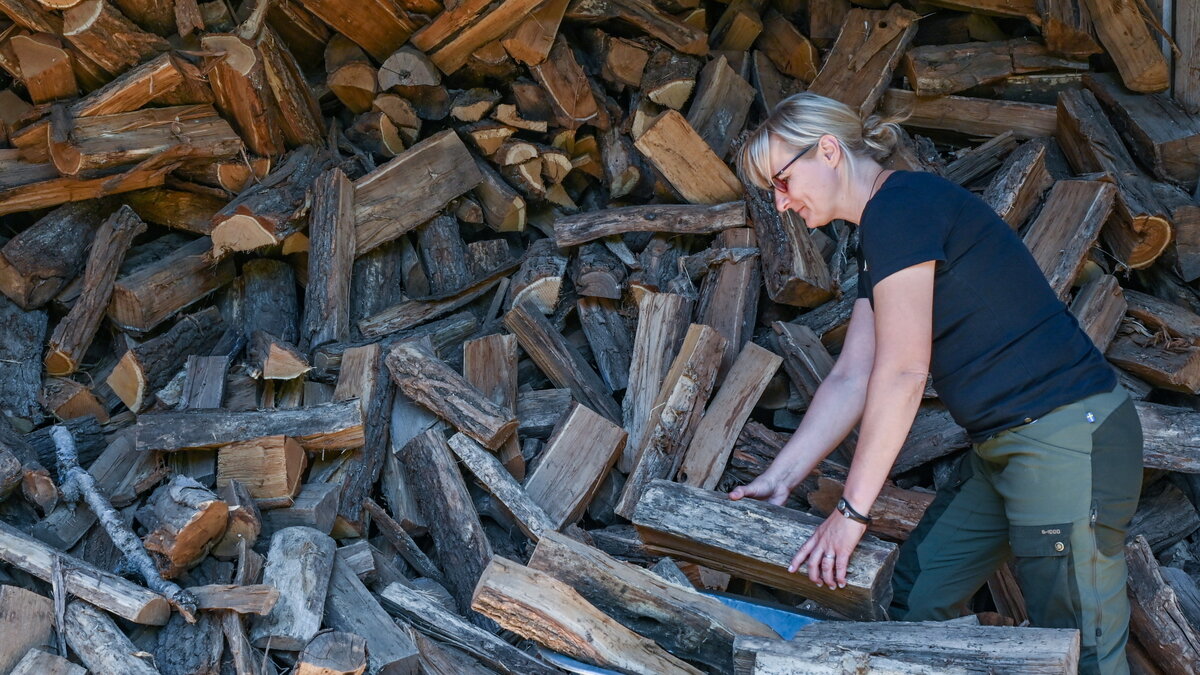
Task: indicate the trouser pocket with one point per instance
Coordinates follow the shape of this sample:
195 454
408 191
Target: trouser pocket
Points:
1042 562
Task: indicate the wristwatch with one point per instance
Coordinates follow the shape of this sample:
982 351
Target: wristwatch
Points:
845 509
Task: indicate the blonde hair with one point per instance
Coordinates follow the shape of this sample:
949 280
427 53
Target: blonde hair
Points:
800 120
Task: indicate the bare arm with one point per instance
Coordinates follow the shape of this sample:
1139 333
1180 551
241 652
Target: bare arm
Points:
836 407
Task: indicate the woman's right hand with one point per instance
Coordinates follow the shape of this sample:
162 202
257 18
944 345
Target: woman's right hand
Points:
767 488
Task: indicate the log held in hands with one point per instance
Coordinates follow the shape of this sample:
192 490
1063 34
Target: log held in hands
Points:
757 541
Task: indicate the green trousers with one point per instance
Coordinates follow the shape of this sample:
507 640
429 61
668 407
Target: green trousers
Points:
1055 496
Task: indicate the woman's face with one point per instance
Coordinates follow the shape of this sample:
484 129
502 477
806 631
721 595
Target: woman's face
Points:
812 185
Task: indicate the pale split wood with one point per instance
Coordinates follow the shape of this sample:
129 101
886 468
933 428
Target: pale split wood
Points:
573 464
299 564
686 161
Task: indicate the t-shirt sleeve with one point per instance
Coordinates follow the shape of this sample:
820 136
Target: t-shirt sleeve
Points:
902 229
864 278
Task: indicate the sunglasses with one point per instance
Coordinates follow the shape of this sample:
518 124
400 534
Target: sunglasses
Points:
781 184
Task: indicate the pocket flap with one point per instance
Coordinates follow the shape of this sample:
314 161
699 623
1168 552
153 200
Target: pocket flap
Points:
1040 540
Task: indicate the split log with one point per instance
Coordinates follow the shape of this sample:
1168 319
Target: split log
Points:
1067 28
411 189
266 213
729 296
89 144
183 647
1019 184
490 364
378 26
177 209
597 273
609 339
239 81
44 257
645 16
146 368
1162 134
559 360
437 621
503 208
429 381
1187 79
442 497
1160 315
74 333
45 69
1123 31
270 358
107 38
662 324
443 255
574 463
351 608
244 522
668 80
566 85
721 106
331 256
82 580
894 514
1099 306
332 426
1140 231
299 564
100 644
902 647
467 35
532 520
22 334
684 622
937 70
315 508
539 279
1065 229
533 39
11 473
686 161
1156 618
38 662
26 619
972 116
152 293
677 219
981 160
525 600
184 520
269 468
1176 368
29 187
706 455
859 67
677 411
540 411
756 541
333 653
792 267
934 434
363 377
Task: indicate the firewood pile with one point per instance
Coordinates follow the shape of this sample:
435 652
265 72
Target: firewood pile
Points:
390 336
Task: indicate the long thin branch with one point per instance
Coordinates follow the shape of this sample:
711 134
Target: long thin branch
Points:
77 483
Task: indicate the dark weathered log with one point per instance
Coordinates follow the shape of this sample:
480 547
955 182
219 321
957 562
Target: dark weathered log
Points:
1170 367
315 507
792 268
147 367
443 500
973 116
330 260
1156 617
268 296
530 517
41 259
428 380
506 593
683 621
679 219
936 70
490 364
351 608
609 339
729 296
364 378
443 256
21 338
1019 184
1065 229
754 540
402 542
100 644
74 333
299 564
332 426
539 279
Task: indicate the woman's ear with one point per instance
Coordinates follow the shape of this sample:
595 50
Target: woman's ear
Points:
830 150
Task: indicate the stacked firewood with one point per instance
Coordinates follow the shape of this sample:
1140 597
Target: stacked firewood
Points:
399 336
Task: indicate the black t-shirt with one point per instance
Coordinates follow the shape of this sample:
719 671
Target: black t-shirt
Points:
1005 348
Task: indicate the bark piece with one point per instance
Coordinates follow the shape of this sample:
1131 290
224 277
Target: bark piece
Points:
44 257
1065 229
331 255
868 48
442 497
678 219
1019 184
152 293
525 600
332 426
299 564
74 333
573 465
1156 617
414 186
754 540
686 161
559 360
683 621
676 413
103 648
706 455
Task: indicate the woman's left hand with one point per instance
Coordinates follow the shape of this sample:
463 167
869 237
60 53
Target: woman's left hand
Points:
828 550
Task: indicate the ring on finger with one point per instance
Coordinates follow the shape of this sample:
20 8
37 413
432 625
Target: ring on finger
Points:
829 556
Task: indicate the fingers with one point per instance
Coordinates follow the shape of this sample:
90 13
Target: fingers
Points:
737 493
829 569
842 566
801 555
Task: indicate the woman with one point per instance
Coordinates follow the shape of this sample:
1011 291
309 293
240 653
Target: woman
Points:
946 288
